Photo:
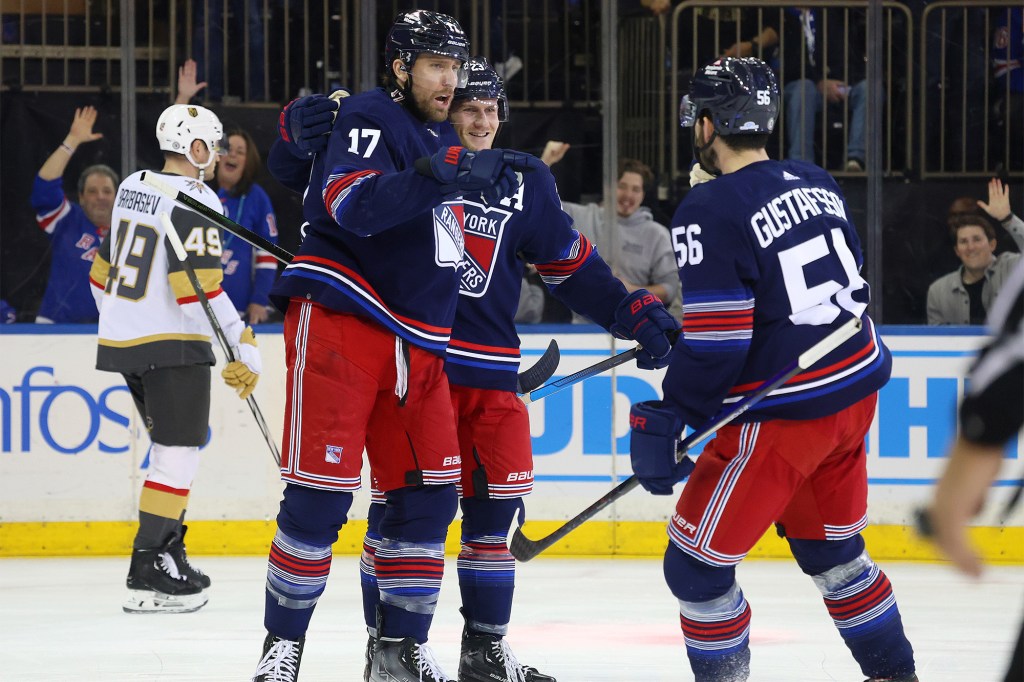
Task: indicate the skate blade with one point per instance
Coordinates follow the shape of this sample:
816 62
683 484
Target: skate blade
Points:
148 601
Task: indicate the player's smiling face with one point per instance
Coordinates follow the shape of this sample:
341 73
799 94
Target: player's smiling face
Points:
433 85
231 166
476 122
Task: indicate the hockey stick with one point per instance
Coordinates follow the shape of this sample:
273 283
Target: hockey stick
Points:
541 371
230 225
530 378
585 373
524 549
179 251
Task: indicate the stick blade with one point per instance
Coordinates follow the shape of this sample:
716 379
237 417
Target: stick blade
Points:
522 547
541 371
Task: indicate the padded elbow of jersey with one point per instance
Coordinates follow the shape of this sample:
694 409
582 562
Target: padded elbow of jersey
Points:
420 513
695 581
313 516
488 517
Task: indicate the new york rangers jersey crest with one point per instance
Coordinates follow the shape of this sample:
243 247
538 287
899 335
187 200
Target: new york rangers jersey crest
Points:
484 227
449 239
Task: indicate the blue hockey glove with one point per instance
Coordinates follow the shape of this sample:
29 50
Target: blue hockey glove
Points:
642 317
653 433
305 123
488 172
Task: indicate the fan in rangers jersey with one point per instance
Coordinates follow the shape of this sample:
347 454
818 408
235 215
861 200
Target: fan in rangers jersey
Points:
769 264
481 363
75 230
154 331
370 303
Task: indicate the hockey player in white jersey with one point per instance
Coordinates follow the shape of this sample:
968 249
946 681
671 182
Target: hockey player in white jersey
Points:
152 329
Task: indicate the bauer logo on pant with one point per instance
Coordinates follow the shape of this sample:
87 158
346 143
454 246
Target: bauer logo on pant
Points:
333 455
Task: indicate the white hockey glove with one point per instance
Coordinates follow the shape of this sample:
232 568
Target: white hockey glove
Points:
698 175
243 373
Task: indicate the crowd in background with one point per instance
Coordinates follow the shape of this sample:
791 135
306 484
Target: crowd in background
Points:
73 212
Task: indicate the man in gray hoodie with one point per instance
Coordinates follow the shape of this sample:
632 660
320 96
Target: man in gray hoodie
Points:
637 247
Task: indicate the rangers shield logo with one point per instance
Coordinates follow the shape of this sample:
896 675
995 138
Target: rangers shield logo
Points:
449 240
484 227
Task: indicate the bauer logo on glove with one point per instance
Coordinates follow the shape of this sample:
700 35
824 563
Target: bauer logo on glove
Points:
242 373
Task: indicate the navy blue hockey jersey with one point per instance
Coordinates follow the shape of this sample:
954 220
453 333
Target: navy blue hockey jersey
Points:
528 227
770 265
381 241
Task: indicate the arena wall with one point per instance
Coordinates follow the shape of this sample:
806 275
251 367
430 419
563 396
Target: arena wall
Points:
73 453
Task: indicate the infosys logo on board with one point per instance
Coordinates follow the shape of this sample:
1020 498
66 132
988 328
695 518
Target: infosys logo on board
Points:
67 418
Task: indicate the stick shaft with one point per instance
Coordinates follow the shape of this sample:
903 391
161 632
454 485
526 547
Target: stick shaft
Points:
553 387
524 549
218 331
227 223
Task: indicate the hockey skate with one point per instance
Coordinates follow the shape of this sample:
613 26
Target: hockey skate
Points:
371 642
489 658
176 548
281 658
405 660
156 586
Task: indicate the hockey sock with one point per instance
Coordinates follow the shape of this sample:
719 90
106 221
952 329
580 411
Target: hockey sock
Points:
714 617
487 571
410 560
300 556
367 567
164 494
860 600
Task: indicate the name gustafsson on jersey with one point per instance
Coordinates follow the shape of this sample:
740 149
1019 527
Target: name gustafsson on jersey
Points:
131 200
792 208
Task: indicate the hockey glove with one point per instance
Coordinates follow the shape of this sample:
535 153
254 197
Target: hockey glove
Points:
243 373
489 172
654 431
642 317
305 123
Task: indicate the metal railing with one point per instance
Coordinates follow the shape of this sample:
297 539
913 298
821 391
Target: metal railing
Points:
701 30
964 125
944 113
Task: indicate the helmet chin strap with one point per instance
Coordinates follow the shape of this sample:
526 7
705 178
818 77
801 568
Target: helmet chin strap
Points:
699 148
202 169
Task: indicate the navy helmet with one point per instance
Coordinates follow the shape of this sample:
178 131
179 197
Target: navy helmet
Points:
423 31
740 95
484 83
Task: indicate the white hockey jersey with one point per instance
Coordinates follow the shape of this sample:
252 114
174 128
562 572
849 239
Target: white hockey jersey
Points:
142 323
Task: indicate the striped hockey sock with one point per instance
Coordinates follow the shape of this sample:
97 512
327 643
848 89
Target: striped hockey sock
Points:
409 576
717 635
487 575
296 576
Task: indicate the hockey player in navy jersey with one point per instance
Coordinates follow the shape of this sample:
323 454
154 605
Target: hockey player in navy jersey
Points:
482 361
769 264
370 303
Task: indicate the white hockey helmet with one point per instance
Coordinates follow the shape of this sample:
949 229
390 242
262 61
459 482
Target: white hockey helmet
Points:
180 124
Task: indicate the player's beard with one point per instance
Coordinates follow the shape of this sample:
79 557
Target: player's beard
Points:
706 156
422 109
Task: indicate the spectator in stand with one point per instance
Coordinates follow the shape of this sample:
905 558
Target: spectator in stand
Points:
1008 74
807 73
75 230
532 296
965 295
639 250
249 272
